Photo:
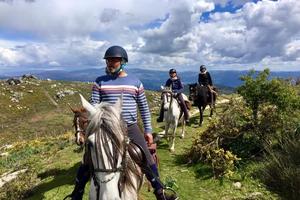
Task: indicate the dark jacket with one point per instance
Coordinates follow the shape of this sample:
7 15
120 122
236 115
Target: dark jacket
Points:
176 85
204 79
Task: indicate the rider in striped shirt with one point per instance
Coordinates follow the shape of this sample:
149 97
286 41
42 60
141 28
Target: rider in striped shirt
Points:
108 88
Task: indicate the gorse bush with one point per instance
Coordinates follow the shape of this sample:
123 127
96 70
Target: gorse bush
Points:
21 187
208 147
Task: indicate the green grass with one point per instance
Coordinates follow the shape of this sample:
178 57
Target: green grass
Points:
53 161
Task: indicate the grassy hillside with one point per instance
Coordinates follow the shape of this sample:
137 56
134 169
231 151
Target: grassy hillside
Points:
38 126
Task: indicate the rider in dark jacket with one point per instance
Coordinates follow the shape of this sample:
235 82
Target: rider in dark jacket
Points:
204 77
176 85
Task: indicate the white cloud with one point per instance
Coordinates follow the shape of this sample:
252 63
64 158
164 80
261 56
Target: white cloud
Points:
75 52
156 33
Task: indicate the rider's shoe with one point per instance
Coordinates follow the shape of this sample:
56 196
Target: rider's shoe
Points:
161 195
159 119
75 195
187 122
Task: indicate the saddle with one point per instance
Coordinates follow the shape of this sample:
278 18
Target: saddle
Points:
137 153
186 101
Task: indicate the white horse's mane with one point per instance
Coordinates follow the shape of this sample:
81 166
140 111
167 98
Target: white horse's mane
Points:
106 133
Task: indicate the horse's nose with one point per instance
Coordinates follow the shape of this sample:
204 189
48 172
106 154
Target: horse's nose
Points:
81 141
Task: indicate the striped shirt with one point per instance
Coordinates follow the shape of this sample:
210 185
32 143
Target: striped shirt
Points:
108 89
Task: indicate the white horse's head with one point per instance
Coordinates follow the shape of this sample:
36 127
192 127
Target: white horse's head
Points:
166 97
107 145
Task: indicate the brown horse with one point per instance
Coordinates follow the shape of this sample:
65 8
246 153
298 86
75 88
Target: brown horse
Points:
80 123
201 97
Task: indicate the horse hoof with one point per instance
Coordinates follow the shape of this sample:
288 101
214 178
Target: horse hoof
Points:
172 150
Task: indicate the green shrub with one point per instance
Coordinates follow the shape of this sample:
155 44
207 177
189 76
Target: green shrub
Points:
281 172
258 89
268 108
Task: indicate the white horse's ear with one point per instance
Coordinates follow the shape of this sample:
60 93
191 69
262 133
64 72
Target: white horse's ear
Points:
119 103
89 107
162 87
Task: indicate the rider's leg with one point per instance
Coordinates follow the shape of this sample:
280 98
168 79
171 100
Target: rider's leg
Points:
161 114
183 107
82 178
149 168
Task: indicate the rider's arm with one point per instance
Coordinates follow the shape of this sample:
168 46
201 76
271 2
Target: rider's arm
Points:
209 79
95 97
168 83
144 109
199 79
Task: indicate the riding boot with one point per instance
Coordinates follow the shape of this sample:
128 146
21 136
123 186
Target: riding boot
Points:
82 178
152 175
184 108
161 114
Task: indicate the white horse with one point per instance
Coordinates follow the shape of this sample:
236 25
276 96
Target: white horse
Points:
115 176
172 114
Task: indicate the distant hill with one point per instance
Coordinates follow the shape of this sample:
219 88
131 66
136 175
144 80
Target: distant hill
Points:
227 80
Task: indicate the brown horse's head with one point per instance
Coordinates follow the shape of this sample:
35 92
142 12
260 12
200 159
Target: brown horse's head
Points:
192 91
80 123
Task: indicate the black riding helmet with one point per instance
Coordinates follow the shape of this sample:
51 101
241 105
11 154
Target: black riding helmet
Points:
116 52
172 71
202 68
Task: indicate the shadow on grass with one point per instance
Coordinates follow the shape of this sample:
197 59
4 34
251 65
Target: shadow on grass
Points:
202 171
194 120
61 177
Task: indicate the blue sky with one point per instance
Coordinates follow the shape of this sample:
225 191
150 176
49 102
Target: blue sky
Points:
158 34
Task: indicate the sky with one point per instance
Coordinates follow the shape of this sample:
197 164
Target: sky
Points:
157 34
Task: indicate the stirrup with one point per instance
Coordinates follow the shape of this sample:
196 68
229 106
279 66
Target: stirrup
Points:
172 190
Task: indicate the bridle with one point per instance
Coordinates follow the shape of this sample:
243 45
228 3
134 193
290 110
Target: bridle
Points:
193 92
168 94
114 170
80 126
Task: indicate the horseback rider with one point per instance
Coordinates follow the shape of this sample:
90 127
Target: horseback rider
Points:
204 79
109 88
177 88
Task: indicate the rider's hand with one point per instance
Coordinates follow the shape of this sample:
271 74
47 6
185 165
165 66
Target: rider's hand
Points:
149 138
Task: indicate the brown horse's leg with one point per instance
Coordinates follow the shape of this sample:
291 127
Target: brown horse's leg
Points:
201 115
211 109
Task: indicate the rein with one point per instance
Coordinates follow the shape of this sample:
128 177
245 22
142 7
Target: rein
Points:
78 128
123 163
120 169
